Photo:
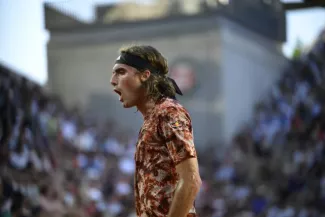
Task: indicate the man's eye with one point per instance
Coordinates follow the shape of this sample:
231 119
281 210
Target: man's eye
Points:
120 72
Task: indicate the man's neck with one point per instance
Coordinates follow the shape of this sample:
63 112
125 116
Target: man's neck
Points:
145 107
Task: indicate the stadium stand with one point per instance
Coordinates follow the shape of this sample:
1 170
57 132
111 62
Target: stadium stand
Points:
55 162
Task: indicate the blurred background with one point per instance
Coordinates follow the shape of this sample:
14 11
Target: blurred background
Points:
252 73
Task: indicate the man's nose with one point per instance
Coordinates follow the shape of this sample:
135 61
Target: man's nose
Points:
113 81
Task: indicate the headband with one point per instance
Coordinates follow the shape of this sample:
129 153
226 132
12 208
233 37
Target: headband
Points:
142 64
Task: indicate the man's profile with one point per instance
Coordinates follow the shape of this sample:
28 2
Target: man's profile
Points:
167 177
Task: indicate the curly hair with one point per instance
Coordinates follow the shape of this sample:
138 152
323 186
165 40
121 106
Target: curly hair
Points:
158 85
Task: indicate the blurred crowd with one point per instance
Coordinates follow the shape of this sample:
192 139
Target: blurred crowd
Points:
275 166
59 162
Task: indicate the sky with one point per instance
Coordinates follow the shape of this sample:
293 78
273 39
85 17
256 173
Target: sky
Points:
23 38
304 25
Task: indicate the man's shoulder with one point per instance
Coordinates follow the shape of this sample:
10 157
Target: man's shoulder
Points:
170 106
172 115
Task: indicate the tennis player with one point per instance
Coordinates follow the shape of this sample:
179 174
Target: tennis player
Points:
167 178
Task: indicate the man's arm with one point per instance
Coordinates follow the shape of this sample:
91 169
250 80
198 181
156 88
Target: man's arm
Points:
176 129
187 188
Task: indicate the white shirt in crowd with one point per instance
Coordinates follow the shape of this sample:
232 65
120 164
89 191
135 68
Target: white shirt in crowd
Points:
126 165
123 188
114 147
20 160
94 194
69 130
114 208
85 141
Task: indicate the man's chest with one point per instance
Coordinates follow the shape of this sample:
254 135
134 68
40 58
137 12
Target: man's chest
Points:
150 145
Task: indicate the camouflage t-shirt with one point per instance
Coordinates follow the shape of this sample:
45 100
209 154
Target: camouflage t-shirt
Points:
165 140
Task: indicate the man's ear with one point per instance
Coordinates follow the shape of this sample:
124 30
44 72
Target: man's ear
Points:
145 75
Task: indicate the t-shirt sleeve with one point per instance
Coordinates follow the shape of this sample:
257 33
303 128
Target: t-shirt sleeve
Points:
176 129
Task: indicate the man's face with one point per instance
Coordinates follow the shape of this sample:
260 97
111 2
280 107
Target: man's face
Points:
127 84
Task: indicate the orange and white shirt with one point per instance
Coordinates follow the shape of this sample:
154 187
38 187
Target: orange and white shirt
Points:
165 140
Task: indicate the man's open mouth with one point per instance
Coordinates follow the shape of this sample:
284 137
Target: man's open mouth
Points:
120 94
